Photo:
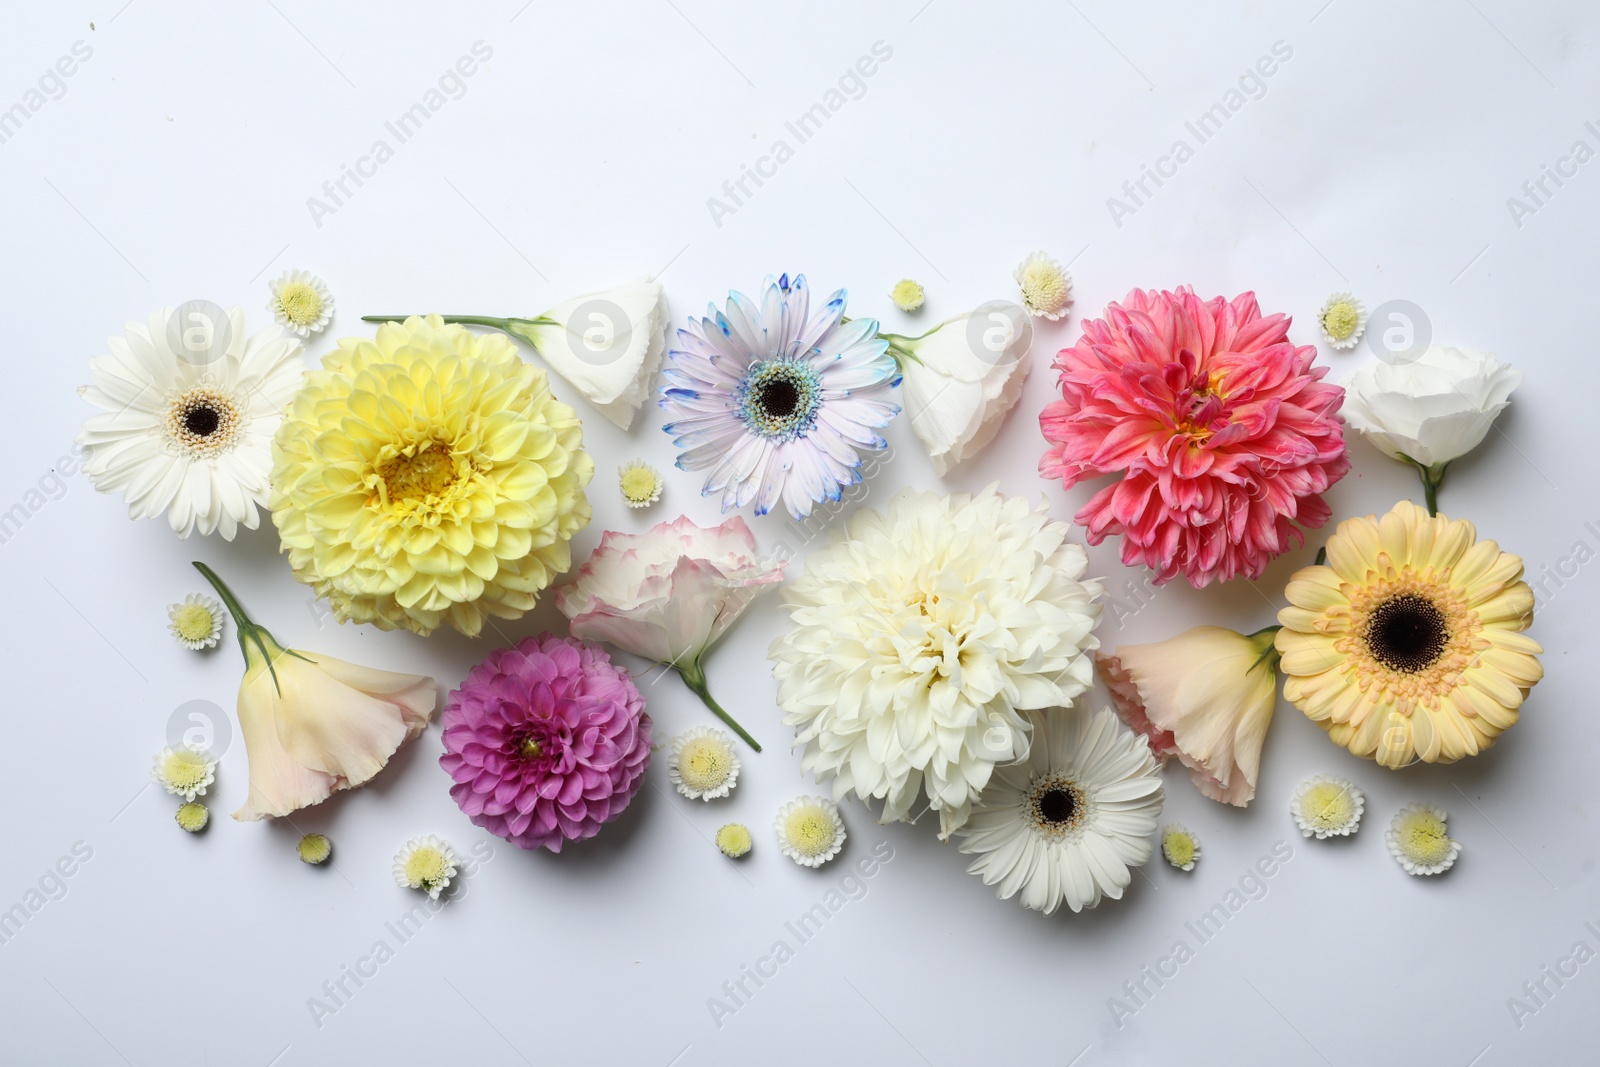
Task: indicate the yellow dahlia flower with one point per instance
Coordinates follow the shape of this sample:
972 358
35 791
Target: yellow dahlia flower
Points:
428 476
1408 645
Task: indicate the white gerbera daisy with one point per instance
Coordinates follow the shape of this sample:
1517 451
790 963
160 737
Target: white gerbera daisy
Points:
1343 319
918 637
640 483
703 765
184 770
1420 841
810 831
1325 806
1068 822
189 438
1179 846
1046 286
426 863
300 302
196 622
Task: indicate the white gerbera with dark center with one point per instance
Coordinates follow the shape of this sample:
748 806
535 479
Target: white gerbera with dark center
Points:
1070 822
191 439
779 401
920 635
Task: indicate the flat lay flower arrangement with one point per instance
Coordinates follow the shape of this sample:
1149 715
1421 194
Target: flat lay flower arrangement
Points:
940 649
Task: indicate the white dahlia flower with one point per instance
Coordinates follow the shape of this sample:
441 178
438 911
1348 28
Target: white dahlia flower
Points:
920 636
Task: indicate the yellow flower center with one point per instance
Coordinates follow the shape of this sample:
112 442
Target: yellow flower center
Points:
810 831
314 848
301 303
531 748
426 867
1328 806
1179 848
1423 839
733 839
638 484
704 764
192 817
907 295
202 421
1340 321
428 472
1058 806
1411 635
1044 287
183 769
193 622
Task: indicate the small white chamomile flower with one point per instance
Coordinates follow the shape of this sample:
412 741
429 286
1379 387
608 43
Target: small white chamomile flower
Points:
1325 806
314 849
426 863
1046 286
703 765
641 483
196 622
907 295
300 302
734 840
1180 847
184 770
1343 319
810 831
193 816
1420 841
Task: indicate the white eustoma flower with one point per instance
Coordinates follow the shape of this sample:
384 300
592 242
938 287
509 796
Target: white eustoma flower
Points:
608 345
963 377
1432 410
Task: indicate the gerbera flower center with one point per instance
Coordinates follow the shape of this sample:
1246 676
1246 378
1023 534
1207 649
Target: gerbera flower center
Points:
428 472
780 398
1407 633
1058 805
301 304
202 421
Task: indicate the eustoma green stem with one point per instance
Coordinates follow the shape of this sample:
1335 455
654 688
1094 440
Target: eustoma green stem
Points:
1269 655
898 343
246 629
694 676
518 327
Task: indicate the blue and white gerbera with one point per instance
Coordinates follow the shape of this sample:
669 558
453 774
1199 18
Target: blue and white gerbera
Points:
779 401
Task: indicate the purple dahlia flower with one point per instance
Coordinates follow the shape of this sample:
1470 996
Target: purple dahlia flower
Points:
547 741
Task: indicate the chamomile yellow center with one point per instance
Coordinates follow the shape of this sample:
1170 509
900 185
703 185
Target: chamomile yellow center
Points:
301 303
907 295
734 840
1044 286
1340 320
1328 806
193 622
314 848
810 831
705 763
639 484
1422 836
426 867
183 769
1178 847
193 817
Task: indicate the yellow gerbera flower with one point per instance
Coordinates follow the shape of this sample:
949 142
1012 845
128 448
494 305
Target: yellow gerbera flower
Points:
428 476
1408 645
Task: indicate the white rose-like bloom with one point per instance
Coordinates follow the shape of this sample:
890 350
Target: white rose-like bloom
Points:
921 634
967 374
608 345
1433 410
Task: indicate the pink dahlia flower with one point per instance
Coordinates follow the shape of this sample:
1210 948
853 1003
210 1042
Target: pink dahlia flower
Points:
547 741
1223 433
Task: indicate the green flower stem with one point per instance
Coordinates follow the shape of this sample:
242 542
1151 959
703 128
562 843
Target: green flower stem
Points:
898 343
246 629
694 676
1269 655
1432 478
473 320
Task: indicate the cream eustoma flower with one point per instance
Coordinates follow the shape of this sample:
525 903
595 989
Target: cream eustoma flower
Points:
607 345
1431 411
961 378
1205 696
312 724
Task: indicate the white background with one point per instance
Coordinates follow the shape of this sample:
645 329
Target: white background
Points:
177 164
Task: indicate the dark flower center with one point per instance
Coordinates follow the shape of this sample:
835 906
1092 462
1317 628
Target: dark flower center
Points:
202 420
1057 806
1407 633
779 398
